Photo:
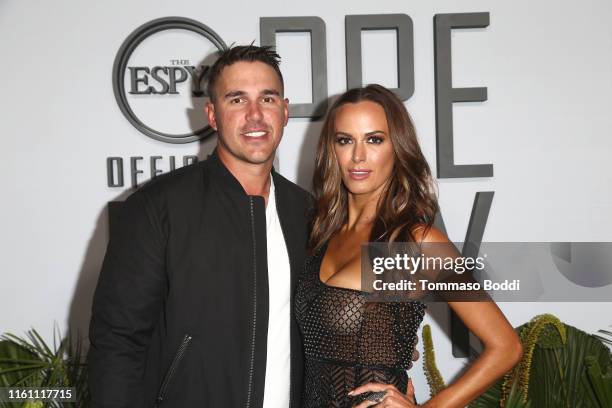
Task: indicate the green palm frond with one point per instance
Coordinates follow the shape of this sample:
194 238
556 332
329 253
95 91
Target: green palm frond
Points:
564 368
605 335
30 362
543 330
600 382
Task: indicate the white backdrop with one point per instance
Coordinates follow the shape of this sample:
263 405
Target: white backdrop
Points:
545 127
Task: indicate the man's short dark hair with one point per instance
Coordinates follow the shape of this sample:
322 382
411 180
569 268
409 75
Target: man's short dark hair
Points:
247 53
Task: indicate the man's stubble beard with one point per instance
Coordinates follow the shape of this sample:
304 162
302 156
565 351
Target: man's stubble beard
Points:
243 157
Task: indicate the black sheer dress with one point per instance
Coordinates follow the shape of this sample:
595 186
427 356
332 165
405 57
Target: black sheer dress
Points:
347 344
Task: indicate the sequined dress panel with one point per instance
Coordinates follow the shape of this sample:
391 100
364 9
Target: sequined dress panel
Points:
347 344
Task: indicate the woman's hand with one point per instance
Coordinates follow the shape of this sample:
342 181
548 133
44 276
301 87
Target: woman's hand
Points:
386 395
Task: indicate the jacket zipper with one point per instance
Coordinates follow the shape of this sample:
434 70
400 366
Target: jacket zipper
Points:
290 300
252 362
180 352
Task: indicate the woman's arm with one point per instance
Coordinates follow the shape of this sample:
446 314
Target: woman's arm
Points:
502 347
502 351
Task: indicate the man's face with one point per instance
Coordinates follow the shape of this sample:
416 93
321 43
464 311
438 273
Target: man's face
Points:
249 112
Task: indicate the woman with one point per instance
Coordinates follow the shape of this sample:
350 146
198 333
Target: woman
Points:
372 183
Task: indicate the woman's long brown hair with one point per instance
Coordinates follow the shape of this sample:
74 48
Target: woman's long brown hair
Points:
409 198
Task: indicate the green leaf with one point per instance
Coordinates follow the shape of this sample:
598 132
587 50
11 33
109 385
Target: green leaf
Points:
515 399
11 369
575 375
601 383
31 362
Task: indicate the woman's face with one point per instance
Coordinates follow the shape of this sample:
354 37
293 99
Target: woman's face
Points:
363 147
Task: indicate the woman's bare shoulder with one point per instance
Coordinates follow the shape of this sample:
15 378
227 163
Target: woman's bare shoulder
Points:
425 233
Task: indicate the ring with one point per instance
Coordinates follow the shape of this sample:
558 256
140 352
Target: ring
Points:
376 396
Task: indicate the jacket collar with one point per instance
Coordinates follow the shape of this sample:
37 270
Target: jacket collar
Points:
221 174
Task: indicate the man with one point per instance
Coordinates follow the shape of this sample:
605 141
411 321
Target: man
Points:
193 305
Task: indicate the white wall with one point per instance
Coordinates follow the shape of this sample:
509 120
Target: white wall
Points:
545 127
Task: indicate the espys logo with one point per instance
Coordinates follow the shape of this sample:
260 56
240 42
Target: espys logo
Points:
146 83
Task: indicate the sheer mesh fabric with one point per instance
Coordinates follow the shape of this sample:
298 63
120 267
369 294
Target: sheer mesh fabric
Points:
347 344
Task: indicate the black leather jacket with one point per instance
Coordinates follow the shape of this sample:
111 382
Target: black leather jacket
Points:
180 313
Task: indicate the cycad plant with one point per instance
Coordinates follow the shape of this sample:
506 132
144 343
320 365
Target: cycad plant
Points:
562 367
30 362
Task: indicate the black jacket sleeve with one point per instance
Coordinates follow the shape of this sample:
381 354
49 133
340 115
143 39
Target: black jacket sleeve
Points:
126 305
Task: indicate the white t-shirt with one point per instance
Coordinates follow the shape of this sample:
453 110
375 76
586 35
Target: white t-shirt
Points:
276 393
